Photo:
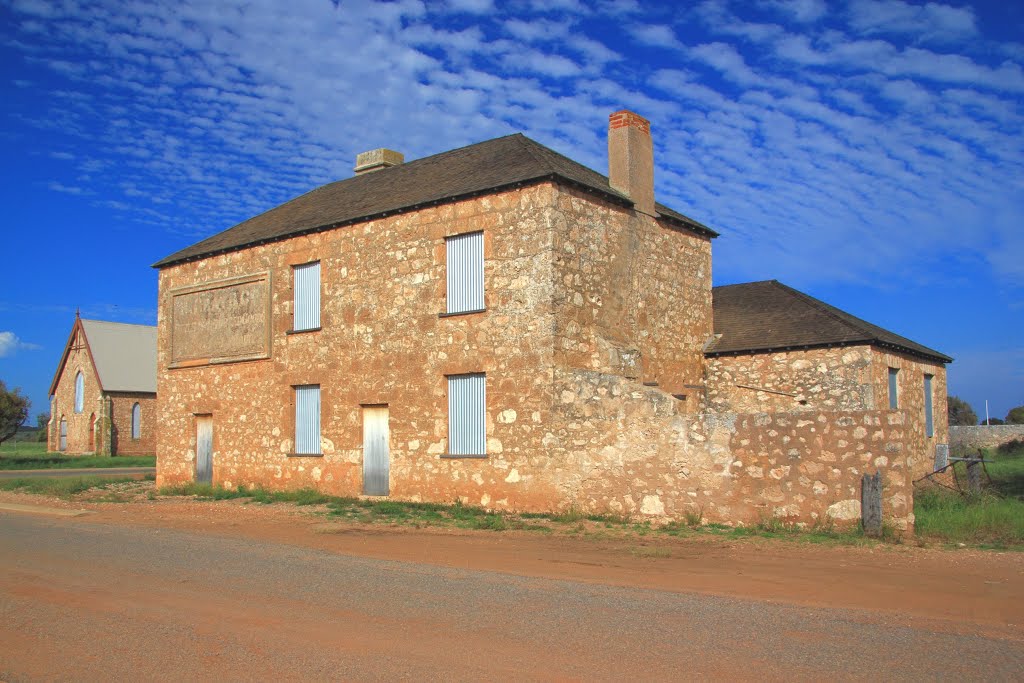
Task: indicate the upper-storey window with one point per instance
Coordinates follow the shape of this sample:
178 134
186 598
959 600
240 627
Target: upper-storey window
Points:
306 289
894 401
929 422
464 263
79 392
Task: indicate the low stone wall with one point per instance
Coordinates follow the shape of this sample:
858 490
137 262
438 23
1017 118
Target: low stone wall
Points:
984 436
632 449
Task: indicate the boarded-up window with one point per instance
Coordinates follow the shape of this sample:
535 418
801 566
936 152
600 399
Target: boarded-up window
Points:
465 272
894 402
79 392
929 425
307 419
307 297
136 421
467 429
63 445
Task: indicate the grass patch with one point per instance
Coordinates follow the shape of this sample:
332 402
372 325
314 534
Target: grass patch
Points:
994 519
63 487
36 458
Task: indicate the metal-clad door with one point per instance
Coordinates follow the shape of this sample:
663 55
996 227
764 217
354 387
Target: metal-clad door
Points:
204 449
63 434
376 454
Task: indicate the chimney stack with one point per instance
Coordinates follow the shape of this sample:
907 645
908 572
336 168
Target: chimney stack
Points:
376 159
631 159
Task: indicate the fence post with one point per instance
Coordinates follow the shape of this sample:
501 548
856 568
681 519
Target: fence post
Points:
871 503
974 475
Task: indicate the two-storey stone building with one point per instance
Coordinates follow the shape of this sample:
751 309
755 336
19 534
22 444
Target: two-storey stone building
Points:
496 324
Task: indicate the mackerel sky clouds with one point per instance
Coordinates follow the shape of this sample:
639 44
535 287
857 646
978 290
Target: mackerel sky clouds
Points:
869 152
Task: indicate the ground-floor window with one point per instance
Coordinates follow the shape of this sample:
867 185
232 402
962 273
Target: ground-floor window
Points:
136 421
307 419
467 403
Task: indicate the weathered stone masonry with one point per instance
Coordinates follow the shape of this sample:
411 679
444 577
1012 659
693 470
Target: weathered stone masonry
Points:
599 395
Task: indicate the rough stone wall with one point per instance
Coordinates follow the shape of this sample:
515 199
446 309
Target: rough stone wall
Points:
381 341
964 439
627 448
632 296
120 409
79 440
910 397
838 378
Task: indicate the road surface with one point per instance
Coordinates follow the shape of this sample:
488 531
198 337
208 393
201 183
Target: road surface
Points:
81 600
78 472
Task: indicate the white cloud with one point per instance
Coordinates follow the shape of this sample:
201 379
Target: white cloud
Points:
803 11
10 344
811 148
655 35
930 20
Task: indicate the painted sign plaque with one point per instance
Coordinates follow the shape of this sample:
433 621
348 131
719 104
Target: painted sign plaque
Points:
221 321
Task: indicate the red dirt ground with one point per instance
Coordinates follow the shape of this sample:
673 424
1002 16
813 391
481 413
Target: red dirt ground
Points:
961 591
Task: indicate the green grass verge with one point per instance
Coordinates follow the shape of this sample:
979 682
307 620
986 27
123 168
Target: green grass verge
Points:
994 519
63 487
572 522
37 458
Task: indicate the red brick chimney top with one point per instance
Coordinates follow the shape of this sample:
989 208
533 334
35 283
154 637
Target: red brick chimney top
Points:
626 118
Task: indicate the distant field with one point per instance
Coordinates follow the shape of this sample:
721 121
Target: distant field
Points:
33 456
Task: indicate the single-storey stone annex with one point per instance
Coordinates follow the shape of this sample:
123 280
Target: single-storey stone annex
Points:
103 395
501 325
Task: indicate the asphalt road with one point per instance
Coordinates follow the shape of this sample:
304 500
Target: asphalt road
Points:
78 472
85 601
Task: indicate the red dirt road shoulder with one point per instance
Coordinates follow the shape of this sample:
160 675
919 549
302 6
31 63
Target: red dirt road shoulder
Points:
963 591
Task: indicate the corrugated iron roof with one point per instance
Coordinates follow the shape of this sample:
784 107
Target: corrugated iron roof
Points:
125 355
769 316
482 168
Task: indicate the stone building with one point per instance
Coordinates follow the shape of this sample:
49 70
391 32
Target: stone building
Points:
779 350
496 324
103 395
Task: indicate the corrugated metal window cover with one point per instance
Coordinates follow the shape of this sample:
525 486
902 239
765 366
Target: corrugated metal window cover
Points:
136 421
929 422
307 297
467 428
894 402
464 267
79 392
307 419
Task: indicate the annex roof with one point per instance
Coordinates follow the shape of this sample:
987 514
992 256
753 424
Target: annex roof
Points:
483 168
124 355
769 316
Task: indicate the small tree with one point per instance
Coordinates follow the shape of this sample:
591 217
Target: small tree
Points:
960 412
1015 416
13 411
994 421
43 425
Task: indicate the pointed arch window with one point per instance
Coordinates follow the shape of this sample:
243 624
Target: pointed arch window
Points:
79 392
136 421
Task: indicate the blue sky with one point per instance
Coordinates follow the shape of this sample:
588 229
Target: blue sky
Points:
869 152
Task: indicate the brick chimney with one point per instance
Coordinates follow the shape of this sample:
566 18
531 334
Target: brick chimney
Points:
631 158
376 159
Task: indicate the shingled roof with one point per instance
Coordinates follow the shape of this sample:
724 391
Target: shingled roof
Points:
769 316
483 168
